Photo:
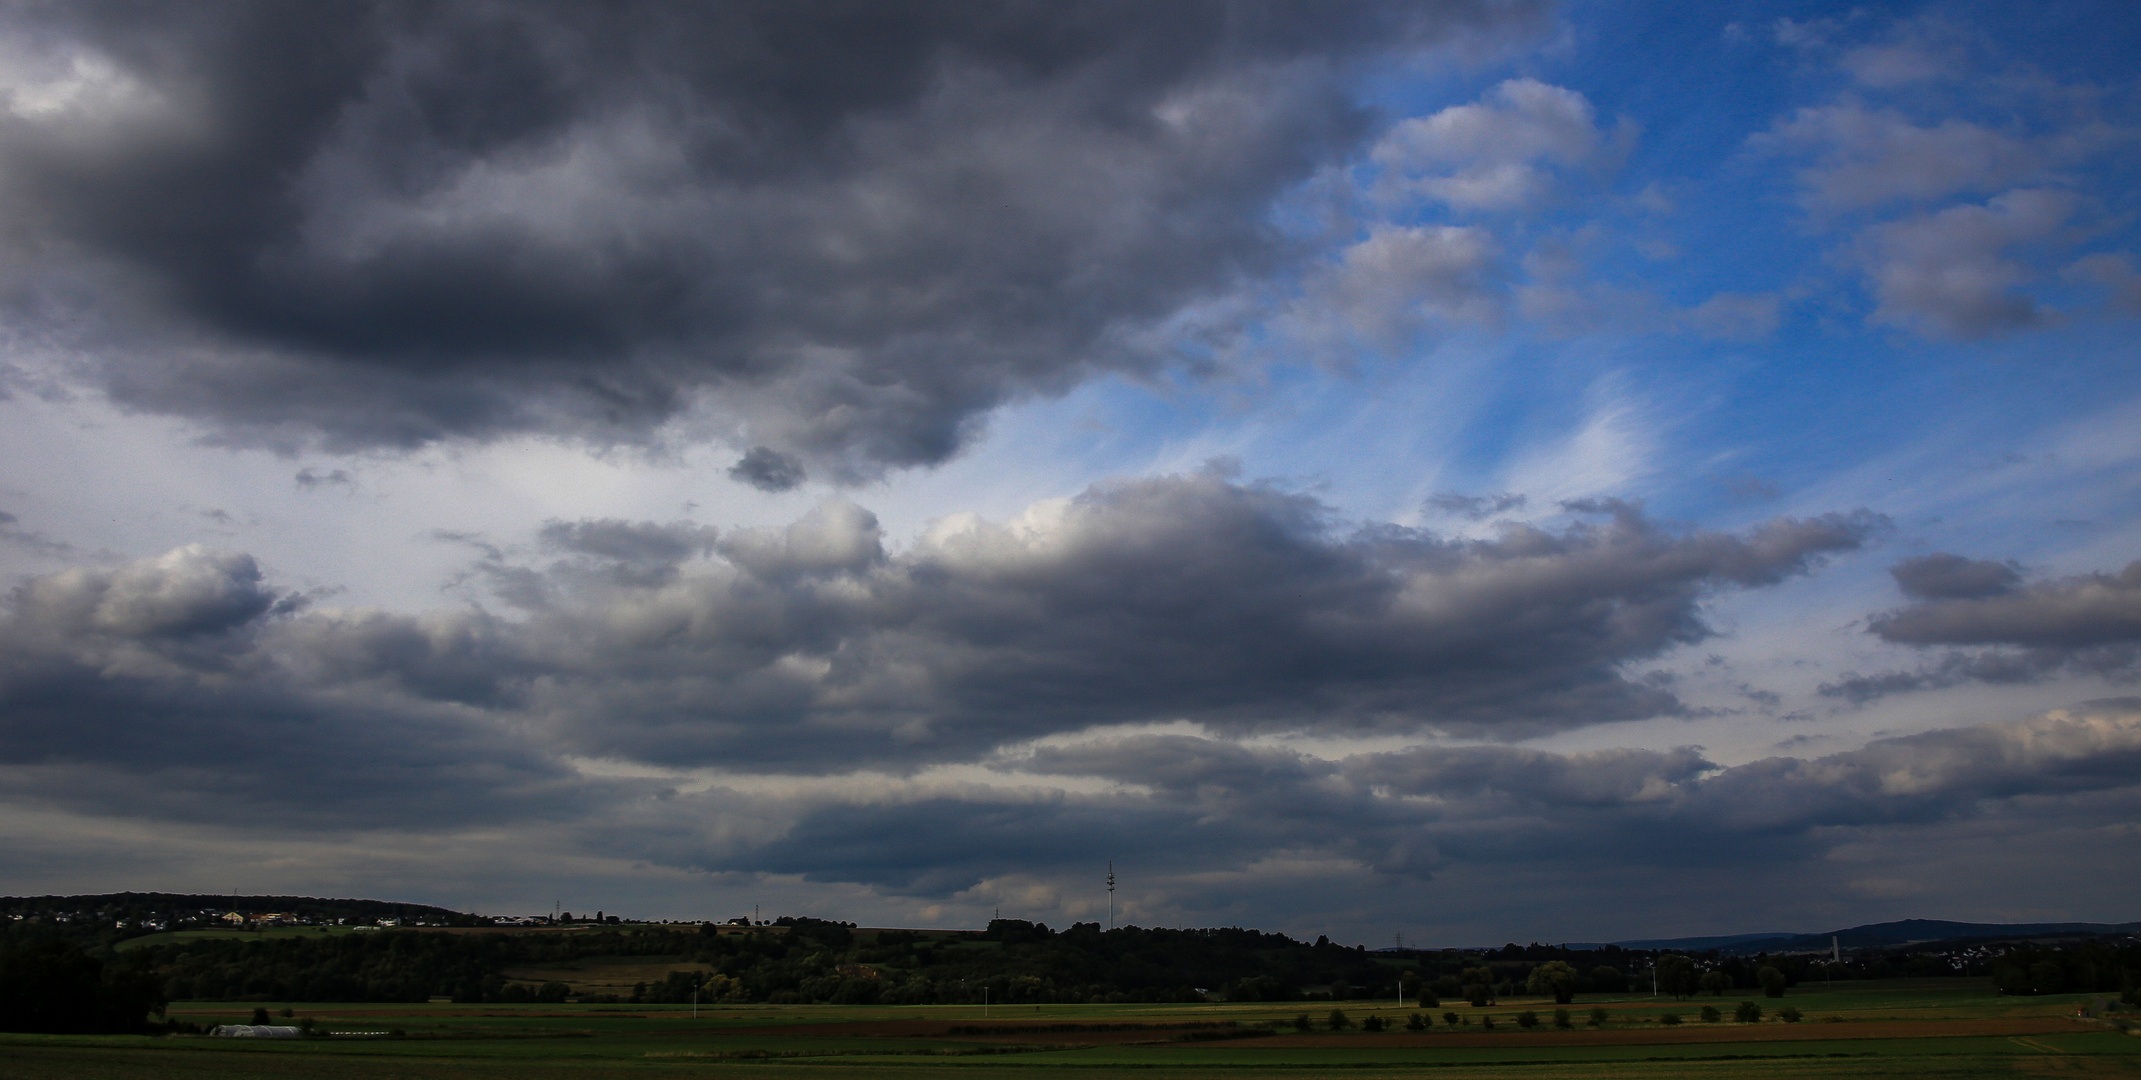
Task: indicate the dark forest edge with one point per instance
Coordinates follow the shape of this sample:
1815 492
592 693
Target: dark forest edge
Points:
72 976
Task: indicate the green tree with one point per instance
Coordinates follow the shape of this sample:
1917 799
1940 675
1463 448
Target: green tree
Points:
1554 978
1561 1019
1710 1015
1747 1013
1416 1022
1676 975
1527 1019
1598 1016
1715 983
1339 1021
1772 982
1478 986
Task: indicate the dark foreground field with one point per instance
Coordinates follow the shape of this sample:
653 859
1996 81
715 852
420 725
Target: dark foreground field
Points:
1903 1031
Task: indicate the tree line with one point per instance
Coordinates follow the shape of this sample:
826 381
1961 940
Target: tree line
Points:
54 983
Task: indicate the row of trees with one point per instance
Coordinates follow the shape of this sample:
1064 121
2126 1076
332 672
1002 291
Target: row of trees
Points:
55 988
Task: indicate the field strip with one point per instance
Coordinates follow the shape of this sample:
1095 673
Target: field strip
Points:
2011 1027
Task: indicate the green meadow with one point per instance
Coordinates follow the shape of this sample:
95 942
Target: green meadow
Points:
1905 1030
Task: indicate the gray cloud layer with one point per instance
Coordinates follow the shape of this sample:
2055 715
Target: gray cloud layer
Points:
1200 806
812 648
860 227
188 689
2003 631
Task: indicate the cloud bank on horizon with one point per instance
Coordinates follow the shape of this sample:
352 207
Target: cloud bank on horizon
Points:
1361 467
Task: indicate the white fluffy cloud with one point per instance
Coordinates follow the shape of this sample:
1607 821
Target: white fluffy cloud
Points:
1500 153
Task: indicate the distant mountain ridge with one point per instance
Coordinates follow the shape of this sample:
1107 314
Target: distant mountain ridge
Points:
1877 936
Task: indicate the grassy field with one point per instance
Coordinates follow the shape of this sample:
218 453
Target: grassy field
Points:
1898 1031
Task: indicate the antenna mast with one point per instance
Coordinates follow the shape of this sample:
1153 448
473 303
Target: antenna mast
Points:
1111 894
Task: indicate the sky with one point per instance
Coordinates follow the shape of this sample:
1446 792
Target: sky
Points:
1476 470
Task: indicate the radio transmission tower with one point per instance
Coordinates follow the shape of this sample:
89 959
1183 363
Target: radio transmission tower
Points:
1111 894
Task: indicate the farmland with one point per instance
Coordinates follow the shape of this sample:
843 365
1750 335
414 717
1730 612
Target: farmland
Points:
1906 1029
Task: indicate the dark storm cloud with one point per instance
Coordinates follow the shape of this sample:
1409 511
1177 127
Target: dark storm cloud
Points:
857 226
2002 631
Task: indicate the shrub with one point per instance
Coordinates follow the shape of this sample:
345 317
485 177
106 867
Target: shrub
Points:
1598 1017
1747 1013
1788 1014
1451 1018
1416 1022
1372 1023
260 1016
1428 1000
1710 1015
1527 1019
1561 1018
1303 1023
1339 1021
1487 1022
1669 1018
